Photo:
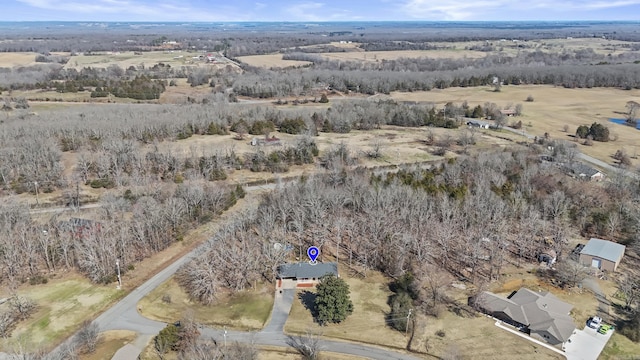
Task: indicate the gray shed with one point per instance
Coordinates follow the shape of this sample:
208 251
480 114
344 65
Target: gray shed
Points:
602 254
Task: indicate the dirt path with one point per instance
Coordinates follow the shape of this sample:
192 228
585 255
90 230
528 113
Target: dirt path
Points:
604 305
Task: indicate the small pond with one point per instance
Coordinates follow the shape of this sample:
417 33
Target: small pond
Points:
623 122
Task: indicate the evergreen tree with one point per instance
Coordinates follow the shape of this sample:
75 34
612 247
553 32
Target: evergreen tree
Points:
332 300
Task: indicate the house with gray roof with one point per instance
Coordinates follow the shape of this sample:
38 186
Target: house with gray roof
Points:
584 172
539 314
602 254
304 274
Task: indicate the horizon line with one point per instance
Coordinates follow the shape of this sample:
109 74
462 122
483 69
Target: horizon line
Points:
318 21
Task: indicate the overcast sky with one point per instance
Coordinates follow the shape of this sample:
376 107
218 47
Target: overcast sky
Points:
321 10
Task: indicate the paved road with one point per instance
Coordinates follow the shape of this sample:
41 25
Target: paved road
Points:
279 339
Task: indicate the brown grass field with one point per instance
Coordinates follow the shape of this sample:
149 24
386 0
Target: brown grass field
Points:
247 310
11 59
552 108
410 54
128 58
271 61
63 303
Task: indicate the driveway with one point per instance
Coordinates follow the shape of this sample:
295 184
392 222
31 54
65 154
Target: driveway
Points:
280 312
586 344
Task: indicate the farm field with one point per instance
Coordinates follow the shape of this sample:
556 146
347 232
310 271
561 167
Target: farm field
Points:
128 58
410 54
11 59
552 108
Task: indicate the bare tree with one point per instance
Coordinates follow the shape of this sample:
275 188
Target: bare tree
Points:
308 345
629 288
87 337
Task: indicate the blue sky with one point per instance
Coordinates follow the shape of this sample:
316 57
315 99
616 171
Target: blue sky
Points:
318 10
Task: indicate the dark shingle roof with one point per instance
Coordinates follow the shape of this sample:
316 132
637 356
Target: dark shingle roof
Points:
304 270
540 311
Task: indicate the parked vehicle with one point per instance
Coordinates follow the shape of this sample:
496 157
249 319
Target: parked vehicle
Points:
604 328
594 322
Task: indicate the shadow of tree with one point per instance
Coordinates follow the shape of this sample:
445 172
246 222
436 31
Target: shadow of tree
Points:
308 300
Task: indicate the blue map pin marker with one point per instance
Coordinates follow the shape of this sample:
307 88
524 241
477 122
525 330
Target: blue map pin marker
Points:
313 253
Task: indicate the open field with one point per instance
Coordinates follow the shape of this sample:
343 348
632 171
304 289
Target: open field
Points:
11 59
451 50
126 59
109 342
247 310
552 108
271 61
63 303
410 54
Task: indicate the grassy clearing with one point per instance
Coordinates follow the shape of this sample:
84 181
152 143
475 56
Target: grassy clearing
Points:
11 59
109 343
248 310
271 61
62 306
553 107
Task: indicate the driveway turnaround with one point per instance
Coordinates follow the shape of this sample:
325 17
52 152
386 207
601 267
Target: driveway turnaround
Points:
586 344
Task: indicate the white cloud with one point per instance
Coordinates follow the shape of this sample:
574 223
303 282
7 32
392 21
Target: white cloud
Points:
306 11
476 9
162 10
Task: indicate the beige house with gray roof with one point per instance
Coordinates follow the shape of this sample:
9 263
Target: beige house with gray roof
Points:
539 314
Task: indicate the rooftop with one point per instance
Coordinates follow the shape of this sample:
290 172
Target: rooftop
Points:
305 270
540 311
604 249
